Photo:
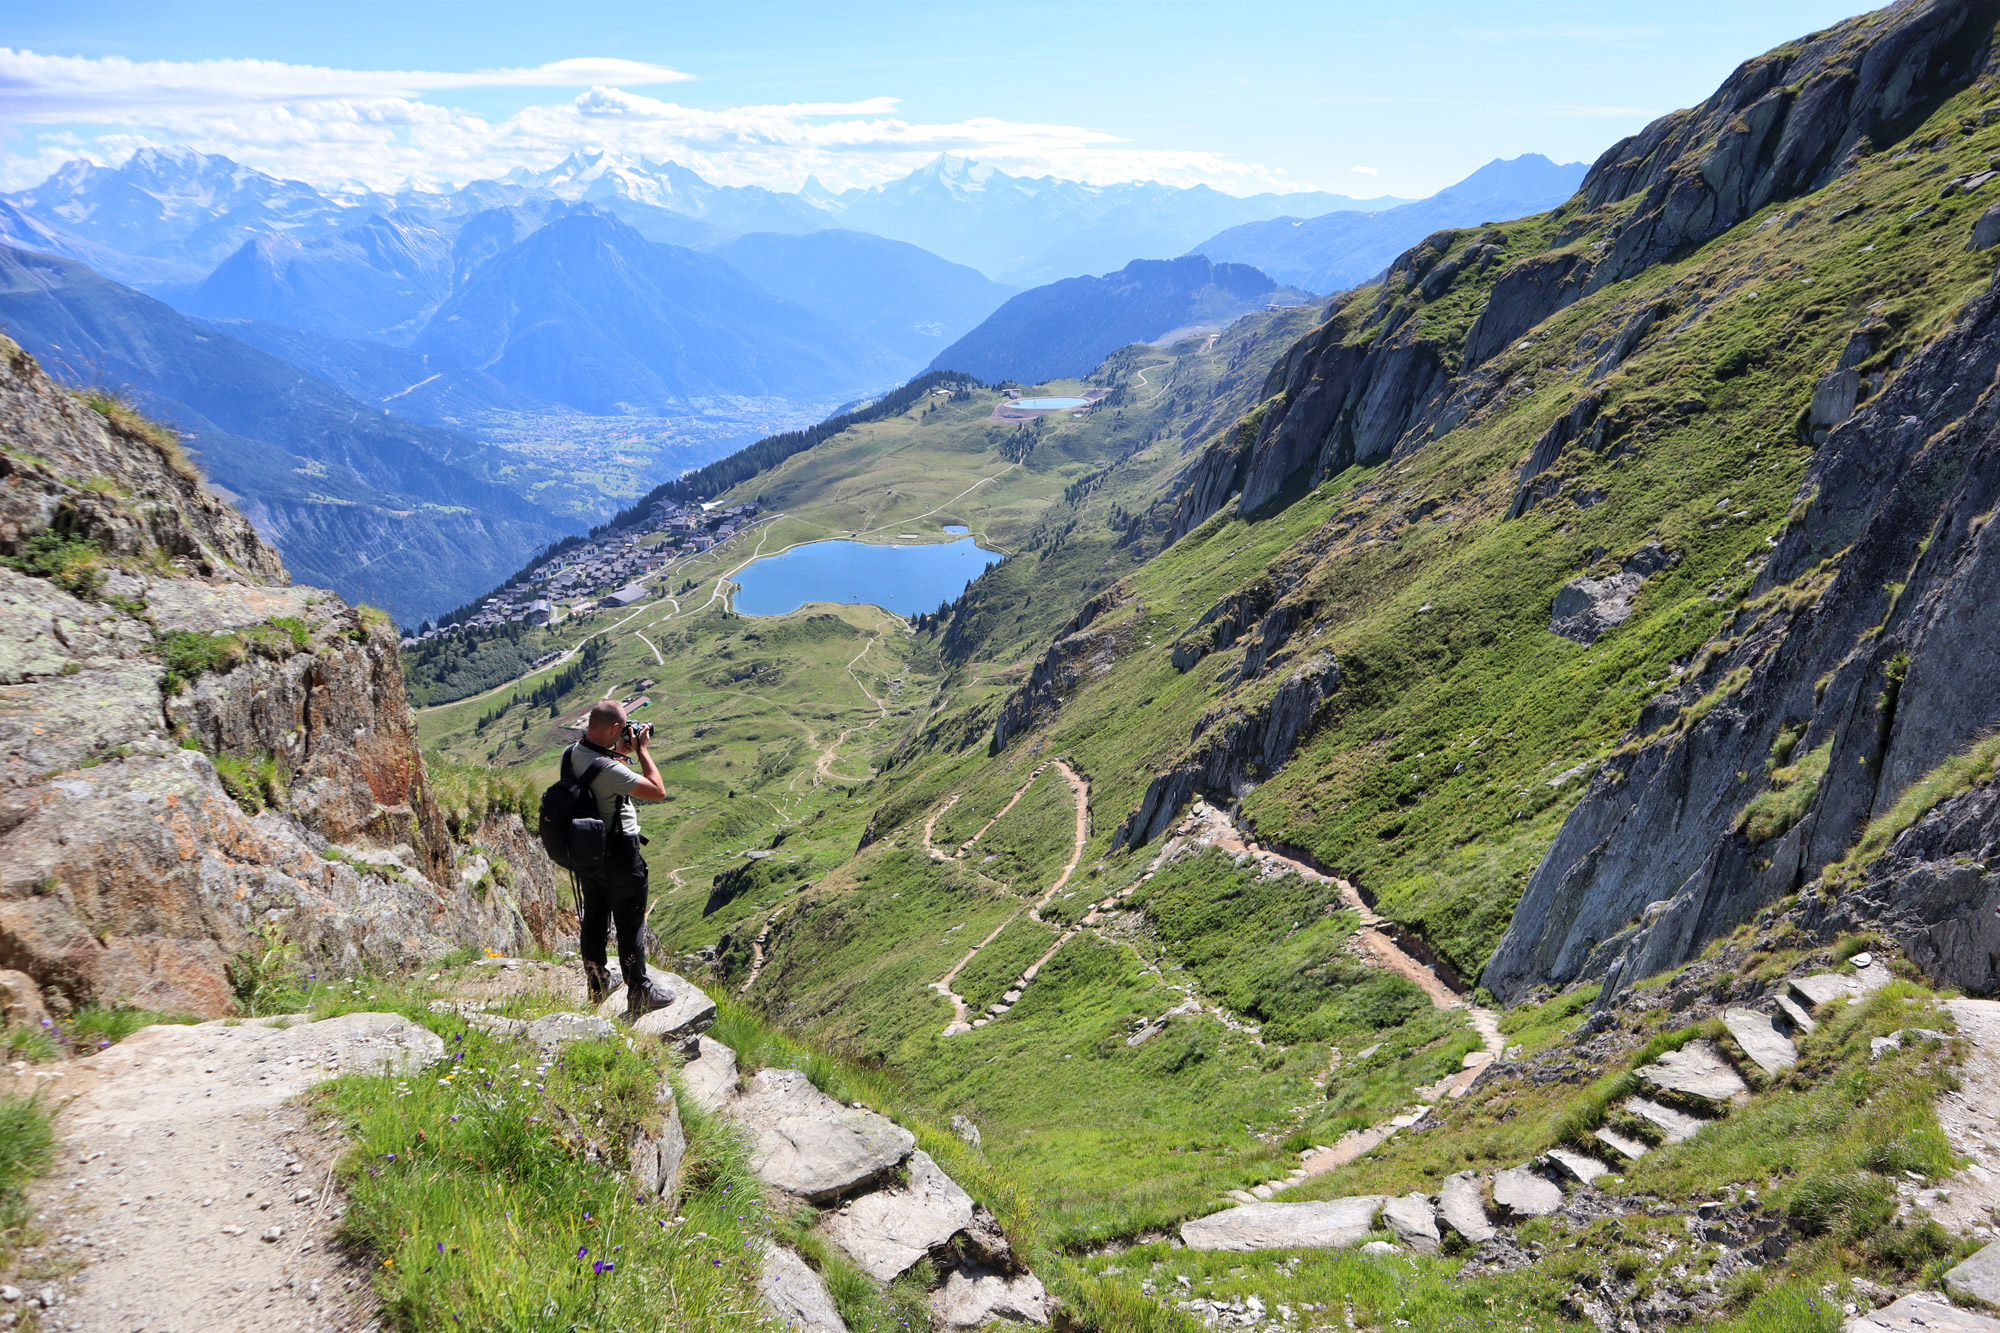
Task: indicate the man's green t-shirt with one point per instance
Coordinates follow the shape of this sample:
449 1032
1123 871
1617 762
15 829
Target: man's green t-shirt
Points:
614 781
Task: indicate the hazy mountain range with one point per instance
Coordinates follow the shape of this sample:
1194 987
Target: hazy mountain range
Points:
1064 329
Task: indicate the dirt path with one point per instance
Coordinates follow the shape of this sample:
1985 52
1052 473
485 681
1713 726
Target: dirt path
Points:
1967 1117
961 1019
658 660
757 955
194 1195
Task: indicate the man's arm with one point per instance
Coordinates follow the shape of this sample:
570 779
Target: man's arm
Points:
649 786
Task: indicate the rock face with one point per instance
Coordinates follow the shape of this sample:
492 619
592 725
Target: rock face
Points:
1079 656
136 870
1324 1225
806 1143
1920 1314
657 1152
1587 607
1231 749
888 1230
1890 687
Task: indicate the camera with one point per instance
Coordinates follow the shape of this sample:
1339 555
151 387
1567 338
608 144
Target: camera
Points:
635 730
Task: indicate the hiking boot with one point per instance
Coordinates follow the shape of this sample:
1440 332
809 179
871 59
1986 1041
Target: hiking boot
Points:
644 999
597 978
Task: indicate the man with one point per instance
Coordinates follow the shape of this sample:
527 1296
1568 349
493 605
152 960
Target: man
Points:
617 888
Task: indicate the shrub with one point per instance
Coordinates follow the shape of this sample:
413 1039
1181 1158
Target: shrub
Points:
70 562
1790 793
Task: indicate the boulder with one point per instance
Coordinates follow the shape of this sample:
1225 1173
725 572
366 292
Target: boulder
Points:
1986 231
1414 1221
20 998
689 1015
710 1078
1585 608
1323 1225
656 1152
1978 1278
975 1297
806 1143
1699 1072
1768 1049
1921 1313
560 1029
889 1230
1630 1149
1520 1192
1462 1205
795 1295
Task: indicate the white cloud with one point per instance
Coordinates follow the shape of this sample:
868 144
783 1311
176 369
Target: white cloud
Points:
1367 171
375 128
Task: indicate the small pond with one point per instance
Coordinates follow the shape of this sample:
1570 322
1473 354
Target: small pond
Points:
1049 404
903 579
957 529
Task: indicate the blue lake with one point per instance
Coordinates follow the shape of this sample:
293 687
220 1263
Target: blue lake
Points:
903 579
1050 404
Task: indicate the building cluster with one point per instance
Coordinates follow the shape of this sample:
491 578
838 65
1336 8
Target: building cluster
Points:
611 570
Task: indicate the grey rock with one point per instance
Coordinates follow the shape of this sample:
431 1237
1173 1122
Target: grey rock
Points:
560 1029
965 1129
1834 397
1579 1167
710 1078
1820 988
1921 1313
1585 608
1549 447
21 999
1977 1278
1414 1221
795 1295
656 1151
1226 751
806 1143
1768 1049
1519 1192
1462 1205
1078 656
1630 1149
1986 231
887 1231
974 1297
1796 1014
1675 1125
1699 1072
1327 1224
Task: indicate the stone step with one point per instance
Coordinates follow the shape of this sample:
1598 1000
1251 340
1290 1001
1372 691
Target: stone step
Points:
1795 1014
1520 1192
1414 1221
1579 1167
1697 1071
1768 1049
1462 1205
1922 1313
1677 1126
1329 1224
1630 1149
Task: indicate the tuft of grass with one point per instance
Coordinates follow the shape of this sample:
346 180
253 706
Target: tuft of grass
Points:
1969 768
1791 791
72 563
27 1146
127 420
490 1192
254 783
267 976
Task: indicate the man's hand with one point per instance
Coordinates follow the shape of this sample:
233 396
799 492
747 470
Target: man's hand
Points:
650 787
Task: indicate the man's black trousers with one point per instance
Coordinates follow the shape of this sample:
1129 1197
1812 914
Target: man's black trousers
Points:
616 890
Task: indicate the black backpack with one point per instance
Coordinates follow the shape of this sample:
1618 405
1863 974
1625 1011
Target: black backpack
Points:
569 827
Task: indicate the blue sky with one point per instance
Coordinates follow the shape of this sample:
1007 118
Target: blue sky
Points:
1357 98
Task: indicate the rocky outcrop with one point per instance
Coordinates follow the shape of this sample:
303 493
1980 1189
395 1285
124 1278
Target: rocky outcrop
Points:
196 759
1934 892
1587 607
1079 656
1229 749
1223 623
1883 659
1782 125
1568 427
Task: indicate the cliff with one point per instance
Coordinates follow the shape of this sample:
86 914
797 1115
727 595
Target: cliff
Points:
199 756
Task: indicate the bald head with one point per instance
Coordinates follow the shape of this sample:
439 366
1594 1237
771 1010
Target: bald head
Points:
606 717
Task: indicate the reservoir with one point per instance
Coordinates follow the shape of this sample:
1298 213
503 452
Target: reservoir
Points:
1048 404
903 579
